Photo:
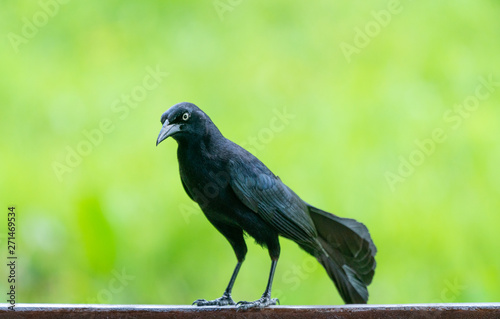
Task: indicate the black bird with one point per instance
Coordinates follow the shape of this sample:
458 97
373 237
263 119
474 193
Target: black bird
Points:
239 194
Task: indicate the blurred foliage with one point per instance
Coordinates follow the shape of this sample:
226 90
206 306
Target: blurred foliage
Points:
122 210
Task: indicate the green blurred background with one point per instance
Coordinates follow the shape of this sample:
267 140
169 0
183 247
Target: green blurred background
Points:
115 226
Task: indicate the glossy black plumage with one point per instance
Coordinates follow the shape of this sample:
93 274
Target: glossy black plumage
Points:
239 194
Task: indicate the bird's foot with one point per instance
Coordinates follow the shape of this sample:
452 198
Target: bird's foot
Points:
263 302
225 300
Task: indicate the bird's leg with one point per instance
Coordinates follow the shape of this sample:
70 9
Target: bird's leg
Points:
226 296
266 299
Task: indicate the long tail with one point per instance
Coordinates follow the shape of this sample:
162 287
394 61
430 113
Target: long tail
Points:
347 252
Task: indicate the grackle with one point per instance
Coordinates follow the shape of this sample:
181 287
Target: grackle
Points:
238 194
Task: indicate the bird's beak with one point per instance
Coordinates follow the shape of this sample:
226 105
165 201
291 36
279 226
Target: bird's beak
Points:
166 131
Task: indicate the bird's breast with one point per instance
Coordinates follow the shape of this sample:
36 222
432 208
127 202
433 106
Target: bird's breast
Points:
205 178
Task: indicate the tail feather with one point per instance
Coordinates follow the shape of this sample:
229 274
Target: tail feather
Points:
346 252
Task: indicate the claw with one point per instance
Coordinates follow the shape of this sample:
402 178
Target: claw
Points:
199 302
260 303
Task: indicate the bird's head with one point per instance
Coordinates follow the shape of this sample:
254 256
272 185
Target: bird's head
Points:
183 121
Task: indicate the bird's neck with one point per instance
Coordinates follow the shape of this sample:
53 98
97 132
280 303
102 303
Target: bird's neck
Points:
198 155
208 144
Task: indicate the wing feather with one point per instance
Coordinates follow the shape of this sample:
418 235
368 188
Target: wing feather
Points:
264 193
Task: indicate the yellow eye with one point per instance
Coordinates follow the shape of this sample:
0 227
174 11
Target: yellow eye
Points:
185 116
